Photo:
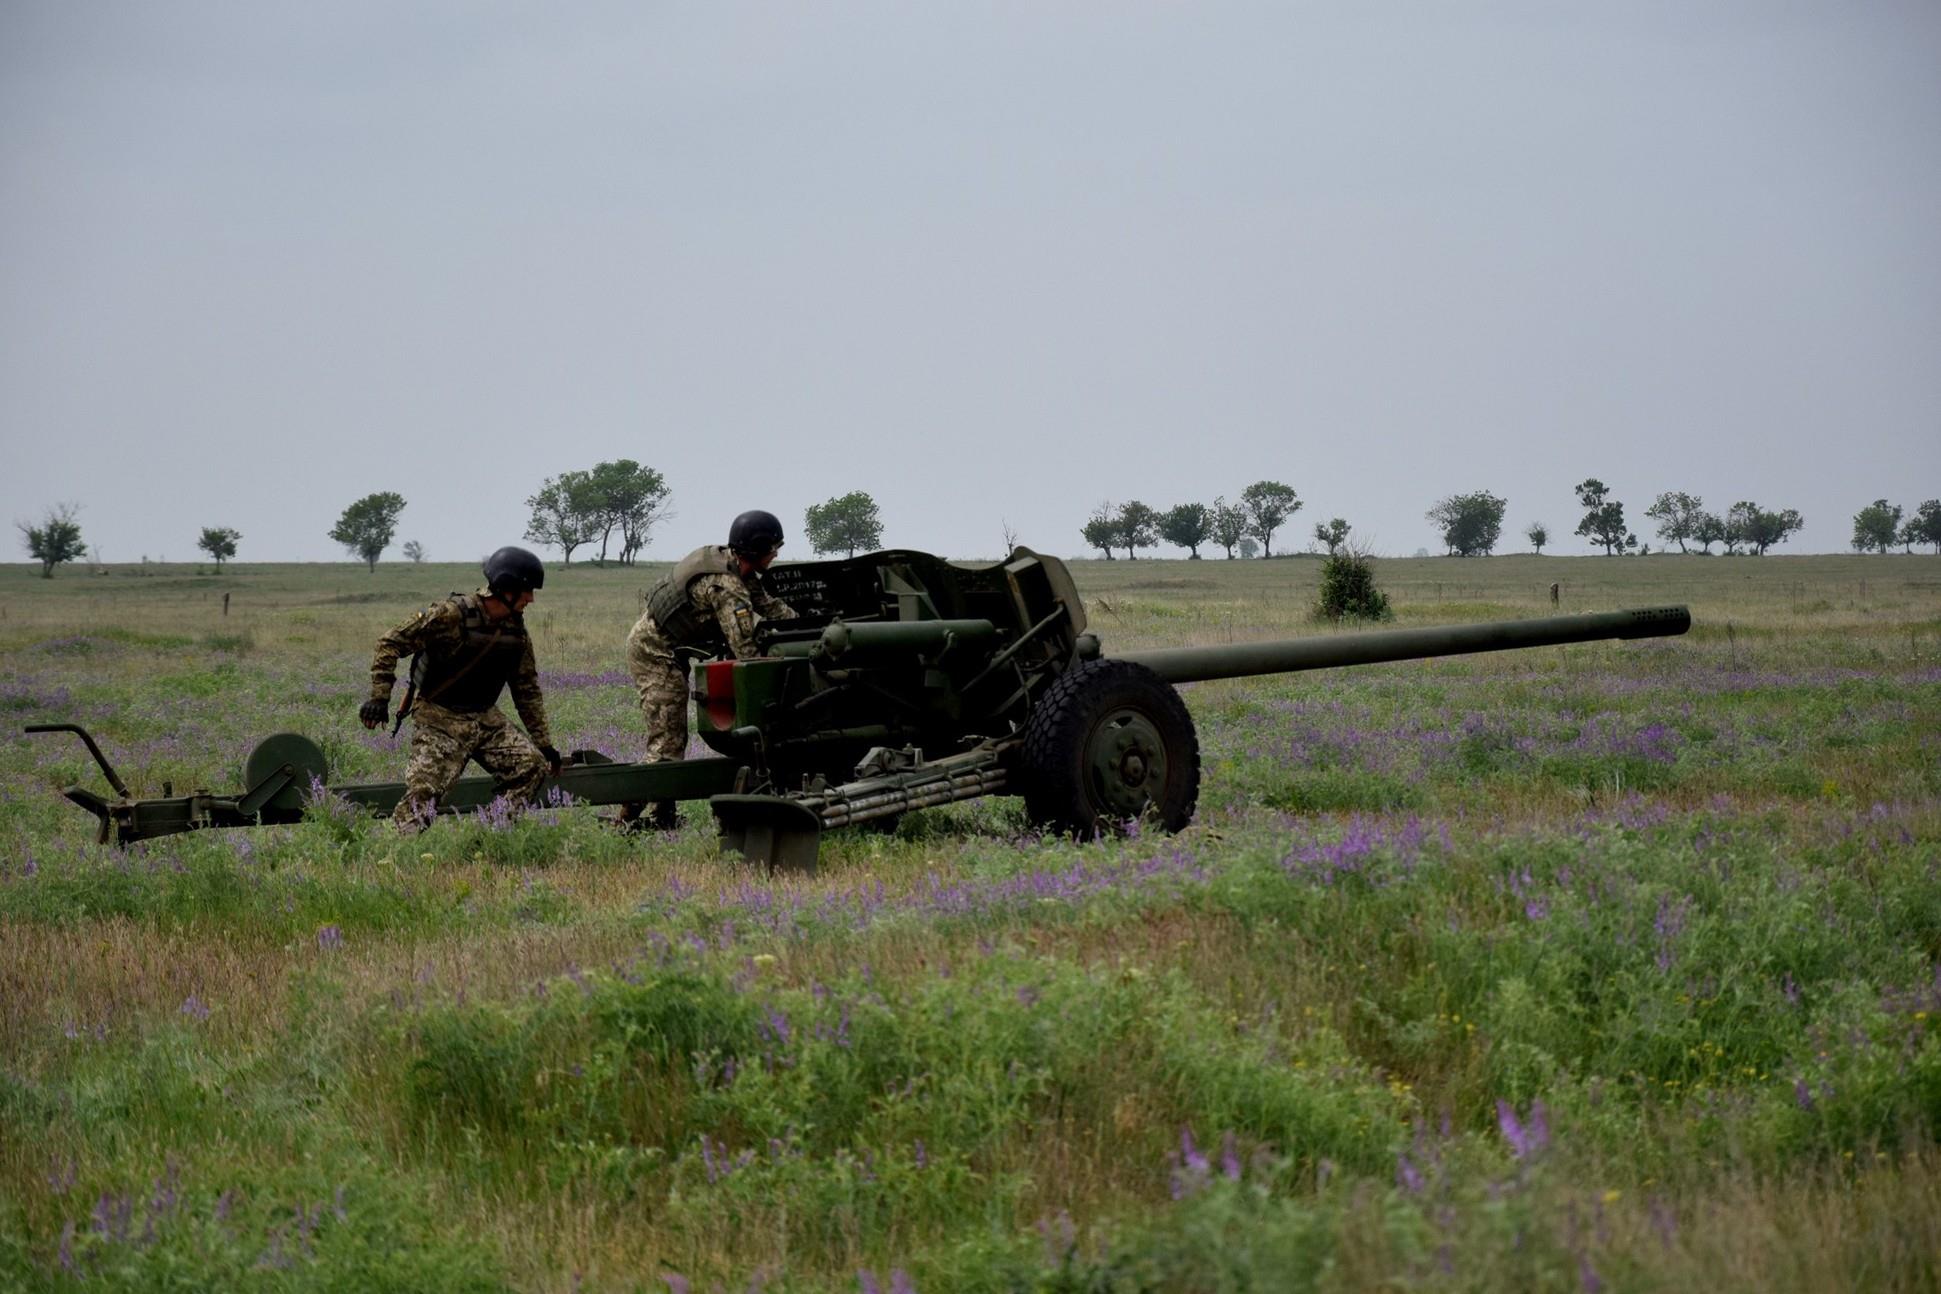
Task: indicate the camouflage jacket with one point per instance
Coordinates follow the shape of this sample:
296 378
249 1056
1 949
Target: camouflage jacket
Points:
439 631
735 604
719 600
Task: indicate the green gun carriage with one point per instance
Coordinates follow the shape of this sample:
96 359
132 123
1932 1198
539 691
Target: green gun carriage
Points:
906 681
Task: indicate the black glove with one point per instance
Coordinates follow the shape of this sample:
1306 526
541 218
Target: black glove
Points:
375 711
553 760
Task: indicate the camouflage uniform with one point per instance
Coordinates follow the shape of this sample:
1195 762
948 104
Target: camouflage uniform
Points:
719 618
463 661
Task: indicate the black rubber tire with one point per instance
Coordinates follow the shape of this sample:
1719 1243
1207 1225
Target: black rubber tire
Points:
1109 701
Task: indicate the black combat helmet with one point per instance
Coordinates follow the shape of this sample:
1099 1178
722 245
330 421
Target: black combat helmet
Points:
512 571
755 534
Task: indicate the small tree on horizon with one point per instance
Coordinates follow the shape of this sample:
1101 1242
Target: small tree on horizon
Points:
622 495
367 525
414 552
1268 504
219 542
55 540
1101 529
1925 524
1332 534
1875 526
562 512
1471 523
1677 514
1138 528
1708 528
1229 525
1187 526
1538 534
1761 528
847 523
1603 521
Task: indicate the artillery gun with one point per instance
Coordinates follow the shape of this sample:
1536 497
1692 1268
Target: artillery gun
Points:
905 682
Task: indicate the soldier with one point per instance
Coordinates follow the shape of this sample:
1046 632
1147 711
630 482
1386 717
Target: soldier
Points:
707 605
466 650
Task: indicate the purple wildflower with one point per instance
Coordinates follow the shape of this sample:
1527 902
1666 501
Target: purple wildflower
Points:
866 1282
1190 1154
1802 1094
1230 1158
900 1282
1407 1175
1527 1137
676 1284
330 938
193 1007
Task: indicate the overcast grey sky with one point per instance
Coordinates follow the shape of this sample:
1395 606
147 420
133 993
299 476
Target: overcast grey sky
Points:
992 262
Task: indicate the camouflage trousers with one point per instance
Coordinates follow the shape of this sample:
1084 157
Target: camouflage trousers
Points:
662 686
442 740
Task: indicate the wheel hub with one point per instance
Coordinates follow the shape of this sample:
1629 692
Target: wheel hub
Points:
1126 763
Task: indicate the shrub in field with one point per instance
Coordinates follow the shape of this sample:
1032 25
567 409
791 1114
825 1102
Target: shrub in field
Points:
1348 589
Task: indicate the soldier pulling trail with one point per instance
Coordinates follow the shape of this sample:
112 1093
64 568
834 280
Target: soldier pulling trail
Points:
467 650
709 605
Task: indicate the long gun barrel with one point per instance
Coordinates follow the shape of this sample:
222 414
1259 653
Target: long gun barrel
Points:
1331 651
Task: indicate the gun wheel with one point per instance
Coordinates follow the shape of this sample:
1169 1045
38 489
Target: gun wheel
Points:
1108 743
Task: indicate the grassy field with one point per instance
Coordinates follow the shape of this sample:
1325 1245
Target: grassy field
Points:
1607 967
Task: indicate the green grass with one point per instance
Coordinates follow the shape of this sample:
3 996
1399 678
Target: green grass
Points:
1677 903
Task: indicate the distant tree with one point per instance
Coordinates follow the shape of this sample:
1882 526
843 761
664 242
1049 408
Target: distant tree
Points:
1538 534
1138 528
1470 523
1331 535
1926 524
623 496
1733 533
1708 529
845 523
1760 529
1677 514
1268 504
1875 526
1229 525
1101 531
1010 537
367 525
219 542
564 513
414 551
55 540
1603 521
1249 546
1188 526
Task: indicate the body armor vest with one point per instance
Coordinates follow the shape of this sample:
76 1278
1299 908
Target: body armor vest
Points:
681 622
470 677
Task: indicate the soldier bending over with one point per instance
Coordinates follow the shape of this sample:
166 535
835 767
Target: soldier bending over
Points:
708 605
467 649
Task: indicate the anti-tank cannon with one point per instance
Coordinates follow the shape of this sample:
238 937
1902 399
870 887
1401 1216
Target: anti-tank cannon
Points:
906 682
